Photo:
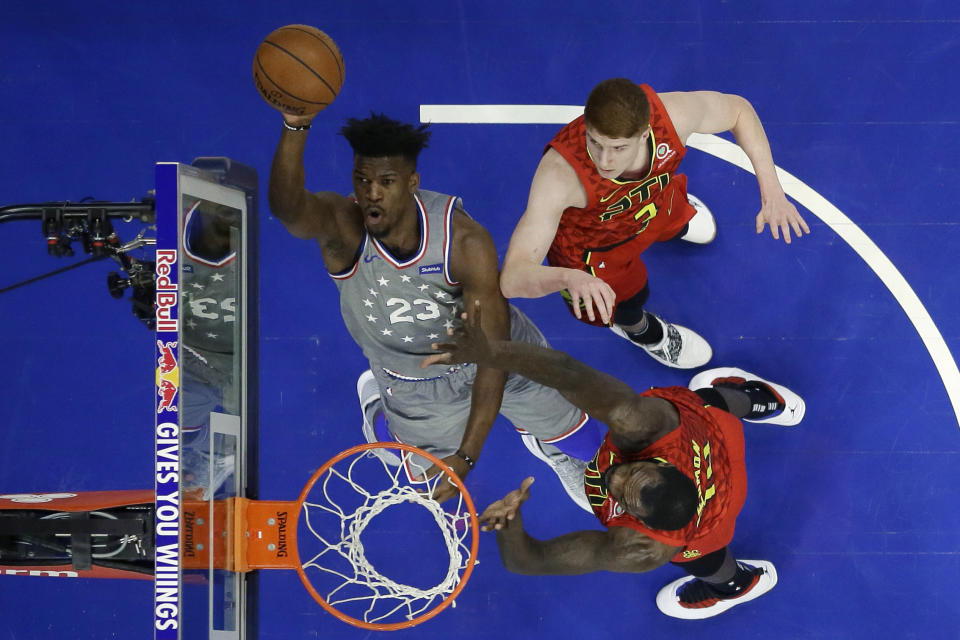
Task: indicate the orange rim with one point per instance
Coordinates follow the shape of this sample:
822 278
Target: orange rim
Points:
474 526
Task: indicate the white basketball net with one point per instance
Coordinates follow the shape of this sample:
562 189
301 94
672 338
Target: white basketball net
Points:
362 582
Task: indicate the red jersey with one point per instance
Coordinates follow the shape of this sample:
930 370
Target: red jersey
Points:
707 447
622 217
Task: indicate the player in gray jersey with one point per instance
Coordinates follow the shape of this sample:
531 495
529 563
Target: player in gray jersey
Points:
208 309
209 293
406 261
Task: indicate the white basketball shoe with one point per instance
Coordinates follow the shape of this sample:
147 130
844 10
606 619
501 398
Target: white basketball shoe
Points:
702 228
772 403
693 599
680 347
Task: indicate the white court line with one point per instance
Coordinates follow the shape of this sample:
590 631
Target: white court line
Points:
794 187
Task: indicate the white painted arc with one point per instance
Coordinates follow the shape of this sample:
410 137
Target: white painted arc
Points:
794 187
499 113
861 243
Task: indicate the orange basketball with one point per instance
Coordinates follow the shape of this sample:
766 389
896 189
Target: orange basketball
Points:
298 69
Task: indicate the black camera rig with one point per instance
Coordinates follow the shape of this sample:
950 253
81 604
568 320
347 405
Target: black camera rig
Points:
91 223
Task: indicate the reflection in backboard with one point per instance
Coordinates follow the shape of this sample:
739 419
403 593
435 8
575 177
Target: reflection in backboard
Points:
205 353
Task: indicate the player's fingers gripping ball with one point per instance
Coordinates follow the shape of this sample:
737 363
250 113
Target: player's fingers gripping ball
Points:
298 69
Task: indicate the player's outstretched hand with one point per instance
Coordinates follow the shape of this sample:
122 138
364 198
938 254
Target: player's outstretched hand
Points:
782 216
470 343
499 514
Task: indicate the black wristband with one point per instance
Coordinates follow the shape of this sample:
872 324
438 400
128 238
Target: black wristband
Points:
296 127
471 463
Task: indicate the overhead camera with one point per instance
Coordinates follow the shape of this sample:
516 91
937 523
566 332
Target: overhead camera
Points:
90 223
139 277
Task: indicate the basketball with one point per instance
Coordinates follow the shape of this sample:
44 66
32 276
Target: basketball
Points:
298 69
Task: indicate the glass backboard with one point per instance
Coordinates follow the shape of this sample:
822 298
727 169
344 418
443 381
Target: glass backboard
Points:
204 353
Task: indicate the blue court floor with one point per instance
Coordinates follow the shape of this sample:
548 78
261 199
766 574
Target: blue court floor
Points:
856 506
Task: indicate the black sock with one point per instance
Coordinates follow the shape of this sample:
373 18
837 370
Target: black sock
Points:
738 402
728 577
762 400
758 401
712 398
720 573
740 581
652 334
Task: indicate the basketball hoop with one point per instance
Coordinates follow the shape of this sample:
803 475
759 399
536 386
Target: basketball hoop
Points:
351 490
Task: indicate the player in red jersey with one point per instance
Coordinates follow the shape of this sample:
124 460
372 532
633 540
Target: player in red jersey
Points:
607 188
668 480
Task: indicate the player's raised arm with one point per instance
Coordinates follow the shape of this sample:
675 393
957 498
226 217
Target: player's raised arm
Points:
713 112
299 90
326 216
555 187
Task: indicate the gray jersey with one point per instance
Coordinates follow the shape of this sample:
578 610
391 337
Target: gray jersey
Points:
209 320
395 309
210 295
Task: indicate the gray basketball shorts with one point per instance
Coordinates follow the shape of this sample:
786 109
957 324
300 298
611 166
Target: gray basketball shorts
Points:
432 413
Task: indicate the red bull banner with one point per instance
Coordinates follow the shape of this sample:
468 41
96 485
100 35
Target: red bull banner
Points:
167 425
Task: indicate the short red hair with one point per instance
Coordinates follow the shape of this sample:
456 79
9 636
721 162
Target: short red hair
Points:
617 108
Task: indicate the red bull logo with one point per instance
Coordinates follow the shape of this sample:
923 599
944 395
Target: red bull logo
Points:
166 299
167 361
168 376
